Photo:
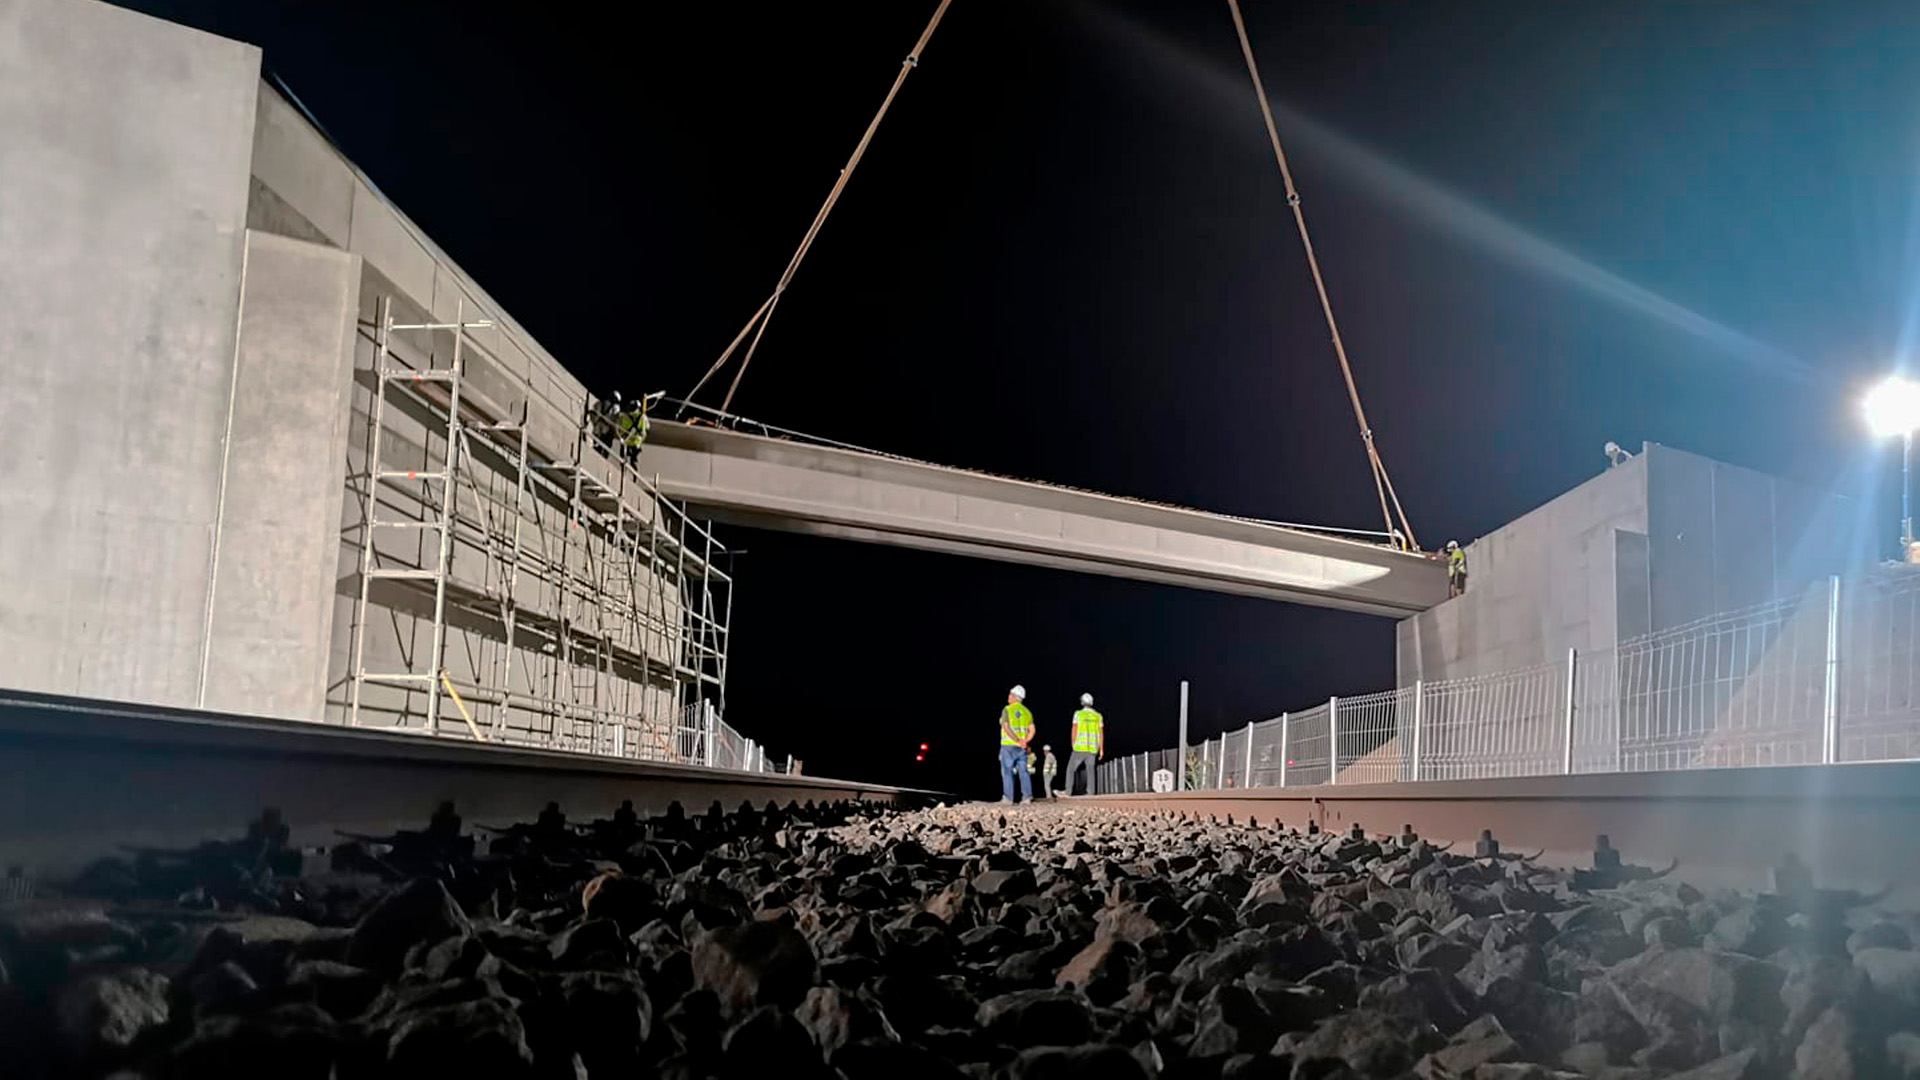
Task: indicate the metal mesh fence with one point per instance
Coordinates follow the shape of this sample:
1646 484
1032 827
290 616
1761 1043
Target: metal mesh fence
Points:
1495 725
1832 675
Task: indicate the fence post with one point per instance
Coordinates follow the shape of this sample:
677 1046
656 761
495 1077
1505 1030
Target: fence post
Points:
1333 740
1206 761
1180 755
1246 778
1419 697
1830 710
1285 730
706 722
1573 674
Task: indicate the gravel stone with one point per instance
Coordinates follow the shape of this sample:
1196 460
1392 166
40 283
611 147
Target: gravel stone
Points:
982 942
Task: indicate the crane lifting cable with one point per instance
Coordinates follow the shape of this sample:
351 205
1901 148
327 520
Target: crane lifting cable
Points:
757 325
1396 517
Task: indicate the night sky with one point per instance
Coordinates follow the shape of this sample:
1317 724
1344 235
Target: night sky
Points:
1067 256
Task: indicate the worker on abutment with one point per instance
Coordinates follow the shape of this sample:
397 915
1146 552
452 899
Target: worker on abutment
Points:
1016 731
1089 742
1456 569
632 425
1048 767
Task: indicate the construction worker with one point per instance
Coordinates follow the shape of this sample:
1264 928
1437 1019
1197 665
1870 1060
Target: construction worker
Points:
632 425
1456 569
1048 767
606 418
1089 742
1016 731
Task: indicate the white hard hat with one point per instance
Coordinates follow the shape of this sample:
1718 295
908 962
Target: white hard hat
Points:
1452 544
1086 699
1019 692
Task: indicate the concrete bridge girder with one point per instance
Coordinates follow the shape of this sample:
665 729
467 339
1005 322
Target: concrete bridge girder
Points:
800 487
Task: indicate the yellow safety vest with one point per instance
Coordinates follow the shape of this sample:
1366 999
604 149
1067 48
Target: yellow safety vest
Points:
1019 722
1086 731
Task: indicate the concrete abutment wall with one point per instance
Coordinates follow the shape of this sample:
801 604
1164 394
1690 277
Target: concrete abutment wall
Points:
191 279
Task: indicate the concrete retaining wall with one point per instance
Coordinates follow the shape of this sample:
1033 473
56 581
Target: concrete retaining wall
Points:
1664 539
124 151
190 278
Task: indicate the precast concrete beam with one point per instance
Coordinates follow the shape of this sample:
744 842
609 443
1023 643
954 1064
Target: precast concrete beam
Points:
801 487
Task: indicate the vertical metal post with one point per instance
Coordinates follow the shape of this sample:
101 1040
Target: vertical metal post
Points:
1573 675
725 631
1830 706
1206 762
375 410
509 614
1286 729
1906 494
706 709
1180 768
1419 699
447 506
1333 740
1246 778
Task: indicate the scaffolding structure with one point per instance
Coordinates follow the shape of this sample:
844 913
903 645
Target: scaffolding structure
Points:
563 602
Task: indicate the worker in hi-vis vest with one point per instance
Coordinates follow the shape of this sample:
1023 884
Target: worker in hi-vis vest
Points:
1089 742
1016 731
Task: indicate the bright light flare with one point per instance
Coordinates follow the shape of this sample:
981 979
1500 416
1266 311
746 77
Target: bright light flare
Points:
1893 407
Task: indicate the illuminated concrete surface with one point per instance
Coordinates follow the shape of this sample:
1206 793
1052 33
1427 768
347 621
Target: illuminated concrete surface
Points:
826 491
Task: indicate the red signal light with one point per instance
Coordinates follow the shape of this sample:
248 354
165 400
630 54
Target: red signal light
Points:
919 757
923 748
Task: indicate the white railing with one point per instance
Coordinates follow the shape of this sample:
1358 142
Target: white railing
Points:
705 739
1830 676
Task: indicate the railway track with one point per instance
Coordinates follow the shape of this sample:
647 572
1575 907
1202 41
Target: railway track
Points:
82 779
1851 826
1120 936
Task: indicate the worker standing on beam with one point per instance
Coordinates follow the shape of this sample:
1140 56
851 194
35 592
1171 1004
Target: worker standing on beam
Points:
633 425
1089 742
1016 731
1456 569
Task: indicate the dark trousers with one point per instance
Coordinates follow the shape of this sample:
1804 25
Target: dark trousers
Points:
1081 759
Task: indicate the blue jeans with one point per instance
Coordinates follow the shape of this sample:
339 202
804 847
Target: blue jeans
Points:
1013 760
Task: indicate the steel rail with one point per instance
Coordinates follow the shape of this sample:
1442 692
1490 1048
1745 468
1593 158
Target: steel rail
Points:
82 778
1851 825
